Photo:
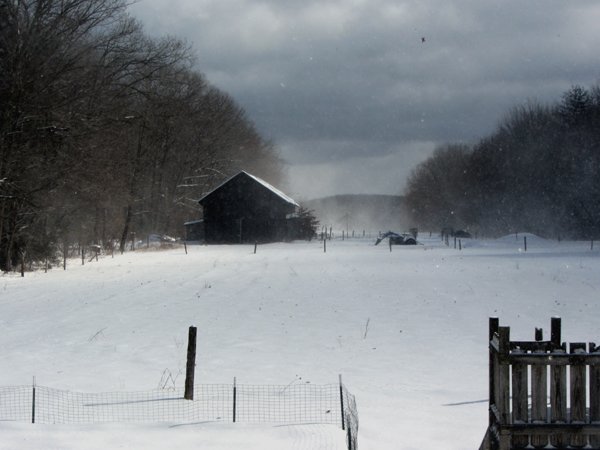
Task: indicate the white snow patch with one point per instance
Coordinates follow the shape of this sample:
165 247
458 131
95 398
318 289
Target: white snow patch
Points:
406 328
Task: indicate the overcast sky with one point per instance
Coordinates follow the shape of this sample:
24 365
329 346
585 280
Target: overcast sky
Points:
355 93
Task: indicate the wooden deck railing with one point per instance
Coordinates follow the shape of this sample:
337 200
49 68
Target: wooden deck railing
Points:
543 394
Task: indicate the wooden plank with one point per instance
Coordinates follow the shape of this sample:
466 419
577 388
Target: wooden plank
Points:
531 346
594 395
555 331
548 428
493 329
539 400
494 413
504 440
519 400
578 394
499 384
555 360
503 380
558 399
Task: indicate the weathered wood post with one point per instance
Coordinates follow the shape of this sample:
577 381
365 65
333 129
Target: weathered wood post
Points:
519 399
502 384
255 245
185 247
494 324
499 403
324 245
493 329
539 389
558 385
82 255
555 332
191 364
578 393
594 395
558 400
525 243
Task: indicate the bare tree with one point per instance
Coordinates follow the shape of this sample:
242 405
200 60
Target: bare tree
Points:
436 192
104 130
45 48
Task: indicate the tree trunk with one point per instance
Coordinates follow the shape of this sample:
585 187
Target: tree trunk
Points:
125 229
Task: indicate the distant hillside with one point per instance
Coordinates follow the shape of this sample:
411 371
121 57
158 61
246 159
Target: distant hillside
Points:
371 213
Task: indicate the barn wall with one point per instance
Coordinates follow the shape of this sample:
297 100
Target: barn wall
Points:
245 211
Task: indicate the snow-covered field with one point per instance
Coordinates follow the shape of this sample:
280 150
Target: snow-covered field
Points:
407 329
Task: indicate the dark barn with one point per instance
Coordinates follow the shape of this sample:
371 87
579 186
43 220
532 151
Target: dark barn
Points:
194 231
246 209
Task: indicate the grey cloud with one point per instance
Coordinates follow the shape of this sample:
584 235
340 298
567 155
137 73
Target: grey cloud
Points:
356 77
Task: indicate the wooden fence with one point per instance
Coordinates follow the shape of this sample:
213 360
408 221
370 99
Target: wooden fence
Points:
555 401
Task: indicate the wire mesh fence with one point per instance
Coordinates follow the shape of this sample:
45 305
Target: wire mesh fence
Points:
302 403
292 404
16 403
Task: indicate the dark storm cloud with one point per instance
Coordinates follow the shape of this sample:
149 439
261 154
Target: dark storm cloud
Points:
339 83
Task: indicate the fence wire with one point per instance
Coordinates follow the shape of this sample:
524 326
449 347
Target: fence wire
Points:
294 404
291 404
16 403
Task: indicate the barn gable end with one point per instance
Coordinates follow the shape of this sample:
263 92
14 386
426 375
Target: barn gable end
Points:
246 209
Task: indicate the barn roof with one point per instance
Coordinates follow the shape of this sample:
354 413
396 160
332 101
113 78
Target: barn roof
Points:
258 180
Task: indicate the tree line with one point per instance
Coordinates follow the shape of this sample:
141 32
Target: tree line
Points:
539 171
105 131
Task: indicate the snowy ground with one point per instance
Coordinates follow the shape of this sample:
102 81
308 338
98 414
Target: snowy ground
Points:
407 329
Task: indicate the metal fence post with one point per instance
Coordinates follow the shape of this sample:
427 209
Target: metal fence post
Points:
33 403
342 403
234 398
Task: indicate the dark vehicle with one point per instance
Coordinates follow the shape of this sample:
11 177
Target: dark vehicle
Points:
397 239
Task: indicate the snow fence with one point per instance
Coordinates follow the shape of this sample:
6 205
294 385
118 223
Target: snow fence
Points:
290 404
